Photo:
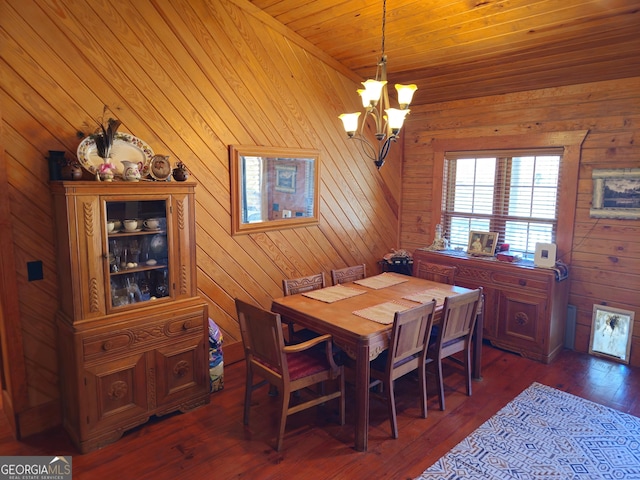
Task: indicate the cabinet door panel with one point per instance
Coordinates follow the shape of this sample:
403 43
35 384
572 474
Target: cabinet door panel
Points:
522 318
180 370
116 390
90 289
183 220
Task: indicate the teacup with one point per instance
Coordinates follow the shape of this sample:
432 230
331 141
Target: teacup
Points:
111 226
130 225
152 223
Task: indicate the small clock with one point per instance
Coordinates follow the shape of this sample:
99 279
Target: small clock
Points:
160 168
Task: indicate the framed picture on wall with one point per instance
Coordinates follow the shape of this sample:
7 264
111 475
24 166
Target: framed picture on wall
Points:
285 179
616 193
611 331
482 243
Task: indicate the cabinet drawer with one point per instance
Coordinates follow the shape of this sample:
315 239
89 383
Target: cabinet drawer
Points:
144 336
520 281
187 324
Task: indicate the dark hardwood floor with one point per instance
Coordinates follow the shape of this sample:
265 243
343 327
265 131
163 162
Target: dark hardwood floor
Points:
212 443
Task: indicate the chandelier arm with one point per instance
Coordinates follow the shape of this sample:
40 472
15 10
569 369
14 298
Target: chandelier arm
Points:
367 147
375 113
384 150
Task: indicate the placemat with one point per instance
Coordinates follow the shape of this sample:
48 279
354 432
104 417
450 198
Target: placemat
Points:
425 296
383 313
333 294
380 281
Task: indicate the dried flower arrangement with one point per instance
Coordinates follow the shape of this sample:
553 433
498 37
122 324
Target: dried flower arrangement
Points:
105 134
104 137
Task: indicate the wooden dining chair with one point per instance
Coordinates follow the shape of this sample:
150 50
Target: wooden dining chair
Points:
348 274
291 286
455 331
435 272
290 368
407 352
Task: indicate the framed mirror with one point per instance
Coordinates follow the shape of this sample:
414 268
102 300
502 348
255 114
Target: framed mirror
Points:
273 188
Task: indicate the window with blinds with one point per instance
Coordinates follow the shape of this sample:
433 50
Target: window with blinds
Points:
514 193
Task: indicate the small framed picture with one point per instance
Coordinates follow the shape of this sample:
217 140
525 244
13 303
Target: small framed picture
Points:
611 333
482 243
286 178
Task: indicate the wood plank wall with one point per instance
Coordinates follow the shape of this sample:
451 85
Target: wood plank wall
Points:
189 77
605 265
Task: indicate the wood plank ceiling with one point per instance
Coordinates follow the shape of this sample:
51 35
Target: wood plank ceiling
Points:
455 49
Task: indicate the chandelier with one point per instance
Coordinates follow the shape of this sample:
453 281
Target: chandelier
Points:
375 100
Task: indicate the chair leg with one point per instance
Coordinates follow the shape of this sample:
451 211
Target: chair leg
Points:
286 395
391 405
247 394
440 383
422 372
292 332
342 402
467 369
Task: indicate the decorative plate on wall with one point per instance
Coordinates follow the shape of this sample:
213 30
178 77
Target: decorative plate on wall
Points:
125 147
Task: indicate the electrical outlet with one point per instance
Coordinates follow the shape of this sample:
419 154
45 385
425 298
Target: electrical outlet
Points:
34 270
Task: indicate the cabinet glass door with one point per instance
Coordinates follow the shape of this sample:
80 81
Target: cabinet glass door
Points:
138 251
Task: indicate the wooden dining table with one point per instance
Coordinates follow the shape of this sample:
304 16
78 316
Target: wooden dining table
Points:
361 335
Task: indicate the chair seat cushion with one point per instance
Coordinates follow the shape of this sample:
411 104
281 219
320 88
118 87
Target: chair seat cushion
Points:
303 364
380 362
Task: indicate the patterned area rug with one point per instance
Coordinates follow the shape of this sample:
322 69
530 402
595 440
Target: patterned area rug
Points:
545 433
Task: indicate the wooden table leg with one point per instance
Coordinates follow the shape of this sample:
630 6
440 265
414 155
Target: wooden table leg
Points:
362 397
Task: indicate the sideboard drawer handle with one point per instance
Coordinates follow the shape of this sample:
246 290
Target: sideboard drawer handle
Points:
522 282
186 325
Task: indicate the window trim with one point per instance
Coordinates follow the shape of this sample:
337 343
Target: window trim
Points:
570 141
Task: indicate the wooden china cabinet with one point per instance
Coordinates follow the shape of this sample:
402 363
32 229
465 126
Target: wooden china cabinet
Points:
132 332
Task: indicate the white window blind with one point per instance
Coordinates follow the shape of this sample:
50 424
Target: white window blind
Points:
514 193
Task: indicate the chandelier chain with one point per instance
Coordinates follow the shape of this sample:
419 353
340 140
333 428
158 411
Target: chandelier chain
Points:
384 21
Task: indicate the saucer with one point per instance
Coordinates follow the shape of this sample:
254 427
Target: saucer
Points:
152 229
114 231
131 231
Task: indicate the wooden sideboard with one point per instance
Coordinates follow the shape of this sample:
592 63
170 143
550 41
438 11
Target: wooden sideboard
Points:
132 331
525 306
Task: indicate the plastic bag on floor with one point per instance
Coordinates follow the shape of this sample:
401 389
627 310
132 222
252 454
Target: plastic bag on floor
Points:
216 361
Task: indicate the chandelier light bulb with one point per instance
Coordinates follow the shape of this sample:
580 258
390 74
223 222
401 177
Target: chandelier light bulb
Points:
366 101
405 94
396 118
373 91
350 122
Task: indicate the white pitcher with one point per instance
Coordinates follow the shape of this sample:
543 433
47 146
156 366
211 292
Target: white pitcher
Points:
131 171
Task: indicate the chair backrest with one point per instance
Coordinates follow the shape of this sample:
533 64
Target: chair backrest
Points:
458 320
348 274
291 286
409 336
435 272
262 336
